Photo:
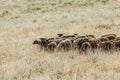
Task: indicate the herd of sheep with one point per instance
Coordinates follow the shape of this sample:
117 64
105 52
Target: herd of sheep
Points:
61 42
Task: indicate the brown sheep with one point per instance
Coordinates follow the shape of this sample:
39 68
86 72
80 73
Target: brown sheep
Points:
94 43
86 46
106 46
86 36
90 36
116 39
117 44
102 39
44 43
68 36
65 45
52 46
110 36
37 42
78 42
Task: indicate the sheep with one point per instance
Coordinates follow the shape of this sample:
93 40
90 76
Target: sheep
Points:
110 36
102 39
85 47
65 45
106 46
117 44
52 46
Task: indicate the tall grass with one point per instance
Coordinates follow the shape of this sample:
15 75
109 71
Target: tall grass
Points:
23 21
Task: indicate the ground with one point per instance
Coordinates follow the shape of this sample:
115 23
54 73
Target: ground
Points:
23 21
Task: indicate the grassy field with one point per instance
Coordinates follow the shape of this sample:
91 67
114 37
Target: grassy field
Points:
23 21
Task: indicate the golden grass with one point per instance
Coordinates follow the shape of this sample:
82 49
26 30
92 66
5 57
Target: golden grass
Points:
23 23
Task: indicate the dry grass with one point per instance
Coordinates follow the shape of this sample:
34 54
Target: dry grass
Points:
22 21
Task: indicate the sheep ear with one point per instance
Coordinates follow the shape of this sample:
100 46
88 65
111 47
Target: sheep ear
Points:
59 35
34 42
75 34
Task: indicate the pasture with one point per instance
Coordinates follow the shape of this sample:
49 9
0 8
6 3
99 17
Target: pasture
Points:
23 21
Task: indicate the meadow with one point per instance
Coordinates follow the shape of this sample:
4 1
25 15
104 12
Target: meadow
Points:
23 21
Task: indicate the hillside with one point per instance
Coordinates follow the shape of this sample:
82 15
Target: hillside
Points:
23 21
